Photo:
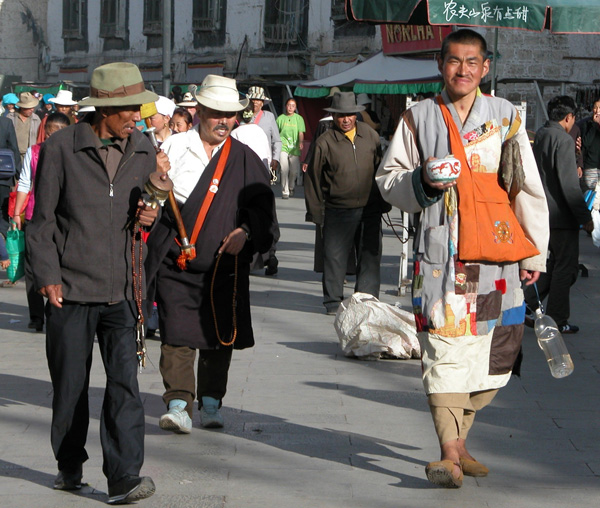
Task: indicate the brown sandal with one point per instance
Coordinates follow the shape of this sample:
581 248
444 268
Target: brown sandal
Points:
440 473
473 468
8 284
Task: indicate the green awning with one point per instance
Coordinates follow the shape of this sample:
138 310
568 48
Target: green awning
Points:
560 16
376 88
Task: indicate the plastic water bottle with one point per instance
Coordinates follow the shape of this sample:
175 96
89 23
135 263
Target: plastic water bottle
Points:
552 344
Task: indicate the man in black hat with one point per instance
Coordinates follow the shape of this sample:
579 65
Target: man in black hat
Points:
341 197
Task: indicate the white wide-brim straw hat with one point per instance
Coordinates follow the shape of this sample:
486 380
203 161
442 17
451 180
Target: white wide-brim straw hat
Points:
188 101
63 98
118 84
221 94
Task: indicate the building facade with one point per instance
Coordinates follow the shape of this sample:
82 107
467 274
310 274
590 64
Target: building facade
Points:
266 40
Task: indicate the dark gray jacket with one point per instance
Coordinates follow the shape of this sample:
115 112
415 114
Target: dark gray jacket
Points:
554 152
80 232
341 174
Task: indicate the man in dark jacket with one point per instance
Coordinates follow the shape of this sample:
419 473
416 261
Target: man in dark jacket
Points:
555 156
342 197
204 296
88 192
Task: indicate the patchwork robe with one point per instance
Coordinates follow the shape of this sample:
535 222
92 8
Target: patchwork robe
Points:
469 315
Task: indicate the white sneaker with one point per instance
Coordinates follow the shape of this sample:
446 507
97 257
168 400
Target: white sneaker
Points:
176 420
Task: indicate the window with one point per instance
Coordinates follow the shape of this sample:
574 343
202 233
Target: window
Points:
113 18
73 19
285 21
207 15
74 30
153 10
208 22
342 27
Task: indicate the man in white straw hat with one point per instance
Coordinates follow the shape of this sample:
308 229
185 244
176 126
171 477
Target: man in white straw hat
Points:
25 121
203 296
63 103
85 255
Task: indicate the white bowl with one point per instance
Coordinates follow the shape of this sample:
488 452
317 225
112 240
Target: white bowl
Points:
443 170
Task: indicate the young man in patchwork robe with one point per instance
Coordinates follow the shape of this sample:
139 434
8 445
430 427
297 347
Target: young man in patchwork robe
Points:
469 314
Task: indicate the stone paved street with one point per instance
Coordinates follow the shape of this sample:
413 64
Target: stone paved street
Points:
307 427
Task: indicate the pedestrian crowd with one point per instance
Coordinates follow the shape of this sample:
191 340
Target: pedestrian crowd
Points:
180 190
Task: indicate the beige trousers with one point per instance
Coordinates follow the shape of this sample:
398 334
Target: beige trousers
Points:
454 413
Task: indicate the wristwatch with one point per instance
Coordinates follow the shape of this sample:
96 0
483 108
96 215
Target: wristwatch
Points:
246 230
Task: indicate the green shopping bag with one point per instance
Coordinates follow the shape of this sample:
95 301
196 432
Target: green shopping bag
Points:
15 246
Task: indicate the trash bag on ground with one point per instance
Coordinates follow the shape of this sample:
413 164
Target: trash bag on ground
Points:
370 329
596 232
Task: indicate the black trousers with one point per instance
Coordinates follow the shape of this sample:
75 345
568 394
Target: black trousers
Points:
69 342
342 229
561 274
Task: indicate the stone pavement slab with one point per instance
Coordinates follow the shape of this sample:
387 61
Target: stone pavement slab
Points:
307 427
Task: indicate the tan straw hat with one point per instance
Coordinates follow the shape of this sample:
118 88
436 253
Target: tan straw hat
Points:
27 100
220 93
118 84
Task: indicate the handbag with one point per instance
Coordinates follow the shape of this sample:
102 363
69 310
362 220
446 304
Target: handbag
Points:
15 246
488 229
12 199
7 163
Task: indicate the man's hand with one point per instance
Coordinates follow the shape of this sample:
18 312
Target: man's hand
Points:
54 294
234 242
146 214
531 276
274 165
588 227
162 162
304 167
432 184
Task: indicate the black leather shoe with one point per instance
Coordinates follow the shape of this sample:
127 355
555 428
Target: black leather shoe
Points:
37 324
271 264
68 480
129 489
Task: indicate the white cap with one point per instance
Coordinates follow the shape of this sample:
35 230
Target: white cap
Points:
165 106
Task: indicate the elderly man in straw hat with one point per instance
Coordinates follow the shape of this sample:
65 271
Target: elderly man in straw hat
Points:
203 298
341 197
26 122
85 260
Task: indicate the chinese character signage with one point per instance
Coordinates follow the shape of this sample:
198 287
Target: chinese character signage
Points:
403 39
516 14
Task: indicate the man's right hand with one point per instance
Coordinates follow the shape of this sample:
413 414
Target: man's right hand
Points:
588 227
162 162
431 183
54 294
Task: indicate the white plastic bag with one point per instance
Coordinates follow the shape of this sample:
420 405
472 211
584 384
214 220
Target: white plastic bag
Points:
596 232
368 328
